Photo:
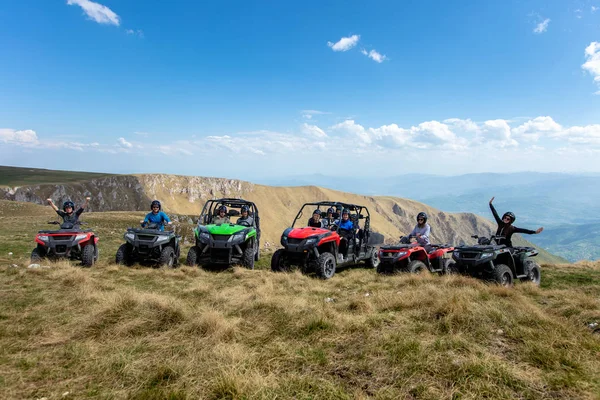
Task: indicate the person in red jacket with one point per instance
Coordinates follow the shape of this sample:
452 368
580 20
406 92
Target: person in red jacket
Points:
506 227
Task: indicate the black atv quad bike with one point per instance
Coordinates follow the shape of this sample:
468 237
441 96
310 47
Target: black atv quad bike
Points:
496 262
322 250
70 241
149 245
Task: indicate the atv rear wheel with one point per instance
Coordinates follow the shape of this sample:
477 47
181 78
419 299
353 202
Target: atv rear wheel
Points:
37 254
325 265
248 256
416 267
88 255
373 261
167 257
502 275
124 255
192 257
534 274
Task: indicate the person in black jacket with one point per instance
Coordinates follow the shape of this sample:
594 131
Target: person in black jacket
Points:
506 227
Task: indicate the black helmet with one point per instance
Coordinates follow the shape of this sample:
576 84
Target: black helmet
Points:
345 211
155 203
330 210
422 215
511 215
243 208
68 203
317 212
222 208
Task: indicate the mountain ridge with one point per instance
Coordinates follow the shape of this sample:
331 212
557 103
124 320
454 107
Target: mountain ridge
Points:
278 206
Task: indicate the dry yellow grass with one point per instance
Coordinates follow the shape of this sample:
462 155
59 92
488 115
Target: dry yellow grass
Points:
110 332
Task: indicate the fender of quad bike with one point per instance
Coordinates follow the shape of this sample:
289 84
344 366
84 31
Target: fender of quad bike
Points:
440 252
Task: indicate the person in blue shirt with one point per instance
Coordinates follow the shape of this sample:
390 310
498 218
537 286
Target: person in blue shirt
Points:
347 231
156 216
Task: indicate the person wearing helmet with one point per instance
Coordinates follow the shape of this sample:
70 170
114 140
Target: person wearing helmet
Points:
422 231
221 217
315 221
156 216
506 228
245 219
67 213
347 231
329 219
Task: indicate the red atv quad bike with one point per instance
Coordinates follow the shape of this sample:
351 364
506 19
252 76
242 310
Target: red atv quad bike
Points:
322 250
70 241
411 257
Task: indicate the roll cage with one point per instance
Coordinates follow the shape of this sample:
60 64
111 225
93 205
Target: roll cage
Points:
356 212
233 210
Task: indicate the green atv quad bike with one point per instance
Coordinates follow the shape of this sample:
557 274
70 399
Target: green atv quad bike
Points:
221 241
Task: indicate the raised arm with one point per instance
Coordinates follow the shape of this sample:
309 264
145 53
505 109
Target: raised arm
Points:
528 231
87 202
52 205
496 217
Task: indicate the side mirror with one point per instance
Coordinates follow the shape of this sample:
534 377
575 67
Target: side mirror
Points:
360 216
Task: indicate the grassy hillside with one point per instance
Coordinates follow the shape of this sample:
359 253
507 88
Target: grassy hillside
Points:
143 333
575 242
17 176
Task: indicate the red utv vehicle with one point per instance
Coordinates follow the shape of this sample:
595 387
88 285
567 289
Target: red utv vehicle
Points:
411 257
322 250
70 241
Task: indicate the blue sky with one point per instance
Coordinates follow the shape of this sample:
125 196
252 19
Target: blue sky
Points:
267 89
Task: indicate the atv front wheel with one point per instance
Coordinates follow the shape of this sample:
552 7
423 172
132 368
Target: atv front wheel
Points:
124 255
373 261
278 261
325 265
37 255
192 257
248 256
534 274
416 267
88 255
502 275
167 257
385 268
450 267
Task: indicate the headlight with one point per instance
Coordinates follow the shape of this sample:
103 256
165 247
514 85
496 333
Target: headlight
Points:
485 255
130 236
80 237
204 236
311 241
401 254
239 236
456 255
162 237
43 238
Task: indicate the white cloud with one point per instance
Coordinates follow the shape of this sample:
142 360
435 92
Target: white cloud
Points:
313 130
98 12
345 43
125 143
496 132
374 55
542 26
532 130
138 32
351 127
26 137
592 63
308 114
594 9
465 125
